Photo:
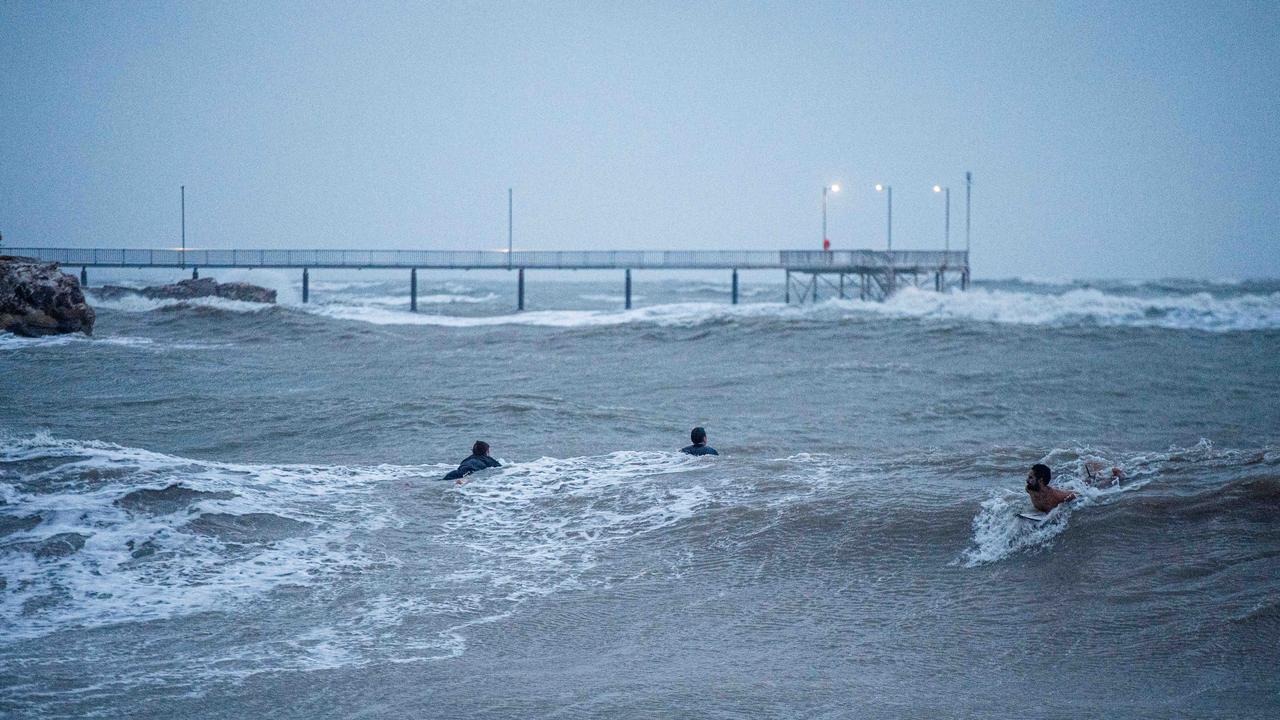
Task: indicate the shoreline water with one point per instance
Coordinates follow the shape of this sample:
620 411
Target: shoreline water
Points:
236 505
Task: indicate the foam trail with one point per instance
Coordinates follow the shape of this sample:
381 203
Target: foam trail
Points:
112 524
1079 307
999 533
140 304
1199 311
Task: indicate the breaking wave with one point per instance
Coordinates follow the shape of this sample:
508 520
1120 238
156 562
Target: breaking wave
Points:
998 531
1198 311
94 533
1087 308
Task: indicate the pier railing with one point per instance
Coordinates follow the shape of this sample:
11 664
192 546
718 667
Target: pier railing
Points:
800 260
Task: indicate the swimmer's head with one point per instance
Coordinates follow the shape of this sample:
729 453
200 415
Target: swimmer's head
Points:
480 448
698 435
1039 475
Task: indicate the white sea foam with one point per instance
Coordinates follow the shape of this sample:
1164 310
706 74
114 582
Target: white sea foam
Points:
190 570
1199 311
675 315
1078 307
14 342
998 532
139 304
523 531
403 300
606 298
537 527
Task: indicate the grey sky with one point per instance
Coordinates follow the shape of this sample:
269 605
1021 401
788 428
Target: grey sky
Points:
1105 139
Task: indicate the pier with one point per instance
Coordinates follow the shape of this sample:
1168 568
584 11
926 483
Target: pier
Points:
809 274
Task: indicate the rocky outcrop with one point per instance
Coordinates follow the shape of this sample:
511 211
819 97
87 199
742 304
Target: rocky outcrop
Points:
191 289
36 298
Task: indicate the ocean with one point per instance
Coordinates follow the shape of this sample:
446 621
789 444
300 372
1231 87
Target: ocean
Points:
214 509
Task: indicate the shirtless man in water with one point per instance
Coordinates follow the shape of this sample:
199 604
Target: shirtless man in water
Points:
1043 497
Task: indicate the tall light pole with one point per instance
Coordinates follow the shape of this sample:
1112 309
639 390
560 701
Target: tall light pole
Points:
825 188
947 226
968 190
508 228
184 225
888 190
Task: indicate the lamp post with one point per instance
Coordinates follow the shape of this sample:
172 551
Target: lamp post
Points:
888 190
184 226
946 237
826 244
968 190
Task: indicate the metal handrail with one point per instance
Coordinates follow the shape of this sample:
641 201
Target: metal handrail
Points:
799 260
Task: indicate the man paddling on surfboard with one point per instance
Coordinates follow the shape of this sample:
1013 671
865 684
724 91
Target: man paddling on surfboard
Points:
1043 497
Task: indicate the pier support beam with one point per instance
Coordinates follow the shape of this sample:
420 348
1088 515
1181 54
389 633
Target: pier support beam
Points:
628 288
964 280
788 287
520 289
84 277
306 283
195 273
413 290
735 286
815 287
841 286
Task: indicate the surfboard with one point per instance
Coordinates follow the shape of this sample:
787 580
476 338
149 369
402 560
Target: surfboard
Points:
1034 516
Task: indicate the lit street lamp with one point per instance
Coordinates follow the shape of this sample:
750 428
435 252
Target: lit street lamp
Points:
826 244
888 190
947 227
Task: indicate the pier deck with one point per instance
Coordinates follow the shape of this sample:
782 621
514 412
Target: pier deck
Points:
879 272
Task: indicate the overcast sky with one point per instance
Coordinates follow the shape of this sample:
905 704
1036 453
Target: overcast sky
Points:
1105 140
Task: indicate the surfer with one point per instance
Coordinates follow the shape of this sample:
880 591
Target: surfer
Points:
1095 477
699 447
479 460
1043 497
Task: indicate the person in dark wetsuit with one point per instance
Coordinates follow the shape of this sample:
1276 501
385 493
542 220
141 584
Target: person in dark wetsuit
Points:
699 446
479 460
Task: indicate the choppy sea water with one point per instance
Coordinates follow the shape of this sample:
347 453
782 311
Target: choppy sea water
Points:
214 509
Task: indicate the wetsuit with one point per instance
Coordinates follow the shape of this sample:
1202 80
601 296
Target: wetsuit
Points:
472 464
699 449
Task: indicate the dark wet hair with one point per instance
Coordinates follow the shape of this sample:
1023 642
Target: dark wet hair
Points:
480 448
1041 472
698 435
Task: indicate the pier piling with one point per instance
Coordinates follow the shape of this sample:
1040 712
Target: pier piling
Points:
628 288
735 286
413 290
788 287
195 273
84 277
305 285
520 290
815 287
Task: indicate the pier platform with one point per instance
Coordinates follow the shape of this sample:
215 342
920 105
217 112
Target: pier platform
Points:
871 274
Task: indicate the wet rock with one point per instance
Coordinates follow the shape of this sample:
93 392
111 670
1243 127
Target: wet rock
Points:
248 528
170 499
147 548
36 298
208 287
192 289
60 545
114 292
244 292
10 524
